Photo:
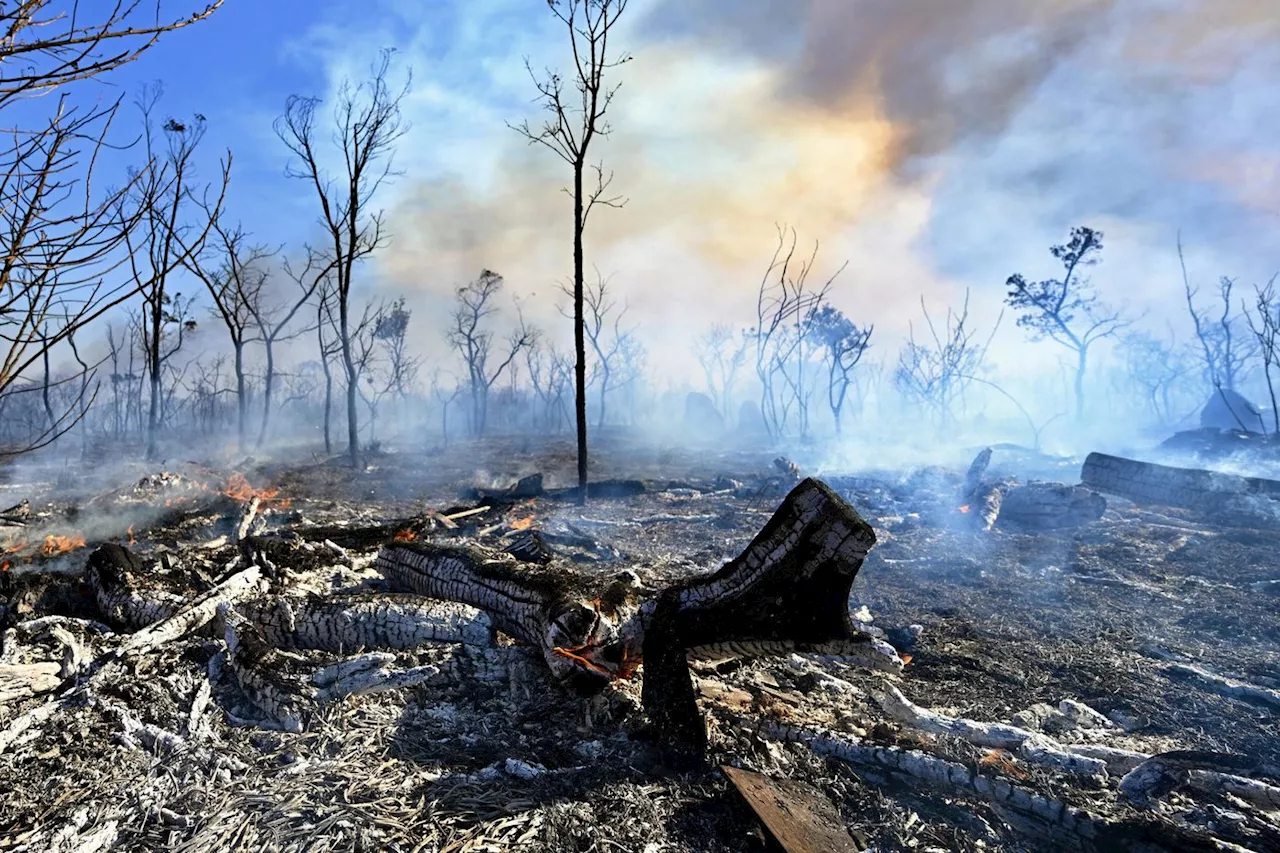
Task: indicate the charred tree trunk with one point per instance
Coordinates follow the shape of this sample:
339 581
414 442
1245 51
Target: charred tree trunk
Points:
242 396
579 331
353 390
268 384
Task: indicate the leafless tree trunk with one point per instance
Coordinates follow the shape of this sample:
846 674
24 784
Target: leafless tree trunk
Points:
569 132
234 275
785 306
167 242
58 236
721 360
1226 356
470 336
367 124
274 325
935 373
1266 330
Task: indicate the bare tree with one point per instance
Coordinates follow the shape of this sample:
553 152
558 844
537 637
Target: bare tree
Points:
274 319
328 346
843 345
391 333
1067 310
722 352
606 338
1156 366
1226 350
234 273
44 48
168 242
1266 330
786 305
444 395
59 237
470 335
936 371
367 124
569 132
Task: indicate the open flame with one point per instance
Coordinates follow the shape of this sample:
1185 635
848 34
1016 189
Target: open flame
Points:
129 533
963 508
54 544
522 523
405 535
238 488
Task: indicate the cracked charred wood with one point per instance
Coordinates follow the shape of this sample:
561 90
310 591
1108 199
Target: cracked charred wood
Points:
348 623
788 591
546 608
1190 488
977 470
790 584
112 574
1046 506
523 489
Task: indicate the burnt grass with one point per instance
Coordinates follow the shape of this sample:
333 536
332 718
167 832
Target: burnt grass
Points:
1010 618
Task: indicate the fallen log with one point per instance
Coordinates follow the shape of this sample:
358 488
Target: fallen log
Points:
788 591
1189 488
1047 506
24 680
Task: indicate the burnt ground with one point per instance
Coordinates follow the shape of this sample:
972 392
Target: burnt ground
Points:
1010 618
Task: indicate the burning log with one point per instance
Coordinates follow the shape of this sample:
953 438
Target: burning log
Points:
788 591
1189 488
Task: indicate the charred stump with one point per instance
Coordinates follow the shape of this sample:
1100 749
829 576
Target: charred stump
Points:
788 591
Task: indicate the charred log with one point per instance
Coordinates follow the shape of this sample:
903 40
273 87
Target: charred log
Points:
1046 506
788 591
1189 488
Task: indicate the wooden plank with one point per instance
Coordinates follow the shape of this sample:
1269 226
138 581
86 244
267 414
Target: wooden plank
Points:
799 817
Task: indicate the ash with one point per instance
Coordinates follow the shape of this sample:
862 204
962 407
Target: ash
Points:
1073 680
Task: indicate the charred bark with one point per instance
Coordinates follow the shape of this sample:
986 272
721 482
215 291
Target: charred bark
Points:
787 591
1189 488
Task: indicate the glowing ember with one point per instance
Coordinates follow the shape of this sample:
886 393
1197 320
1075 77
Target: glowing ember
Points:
906 659
404 536
522 523
61 544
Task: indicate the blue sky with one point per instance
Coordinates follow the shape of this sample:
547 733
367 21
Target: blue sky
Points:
933 152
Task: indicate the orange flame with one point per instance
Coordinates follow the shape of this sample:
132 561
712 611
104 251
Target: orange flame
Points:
963 508
61 544
4 565
404 536
522 523
906 659
238 488
129 533
572 654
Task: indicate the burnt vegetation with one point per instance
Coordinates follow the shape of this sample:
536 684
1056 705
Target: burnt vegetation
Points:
290 561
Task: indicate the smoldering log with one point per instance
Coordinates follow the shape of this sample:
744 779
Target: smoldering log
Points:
1189 488
787 591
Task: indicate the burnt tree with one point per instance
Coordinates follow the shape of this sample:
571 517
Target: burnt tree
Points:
569 132
167 241
469 333
367 124
60 234
1226 349
843 345
234 274
1067 310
